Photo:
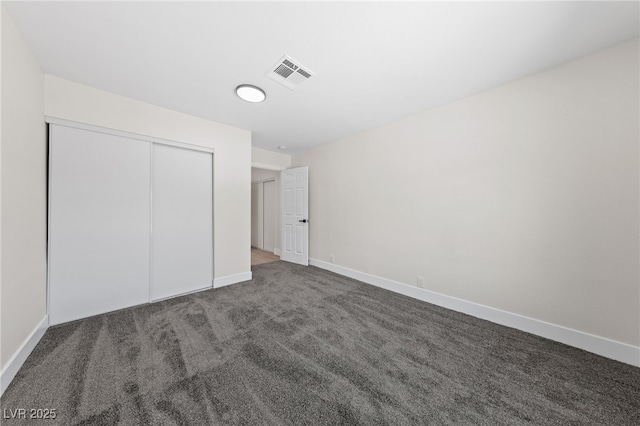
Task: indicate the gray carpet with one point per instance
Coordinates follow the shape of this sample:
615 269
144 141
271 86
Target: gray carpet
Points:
303 346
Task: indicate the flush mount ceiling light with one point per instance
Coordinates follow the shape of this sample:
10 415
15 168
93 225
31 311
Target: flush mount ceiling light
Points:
250 93
282 147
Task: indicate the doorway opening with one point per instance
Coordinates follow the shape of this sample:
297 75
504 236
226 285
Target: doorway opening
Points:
265 216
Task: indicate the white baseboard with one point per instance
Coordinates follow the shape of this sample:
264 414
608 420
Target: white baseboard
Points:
11 369
277 252
232 279
618 351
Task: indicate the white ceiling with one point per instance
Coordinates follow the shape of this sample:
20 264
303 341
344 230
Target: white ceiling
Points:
375 62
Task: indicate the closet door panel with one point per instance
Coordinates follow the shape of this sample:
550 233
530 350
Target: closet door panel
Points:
99 223
182 221
269 217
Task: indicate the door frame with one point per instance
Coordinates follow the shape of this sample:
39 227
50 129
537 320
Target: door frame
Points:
261 183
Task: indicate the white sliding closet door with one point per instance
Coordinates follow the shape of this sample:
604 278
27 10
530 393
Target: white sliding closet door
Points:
182 221
99 221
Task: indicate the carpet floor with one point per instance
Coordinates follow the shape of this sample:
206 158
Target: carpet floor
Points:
303 346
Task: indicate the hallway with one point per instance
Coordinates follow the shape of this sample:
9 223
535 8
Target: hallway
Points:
259 257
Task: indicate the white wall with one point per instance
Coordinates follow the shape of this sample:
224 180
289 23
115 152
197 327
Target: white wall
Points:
523 198
259 175
23 190
269 160
232 158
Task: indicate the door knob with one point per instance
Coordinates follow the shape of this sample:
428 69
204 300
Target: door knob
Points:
303 220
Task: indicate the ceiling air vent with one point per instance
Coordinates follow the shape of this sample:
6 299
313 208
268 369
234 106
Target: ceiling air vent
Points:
289 72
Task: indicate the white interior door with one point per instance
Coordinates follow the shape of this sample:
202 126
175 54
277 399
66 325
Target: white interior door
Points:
98 223
182 221
269 215
295 208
